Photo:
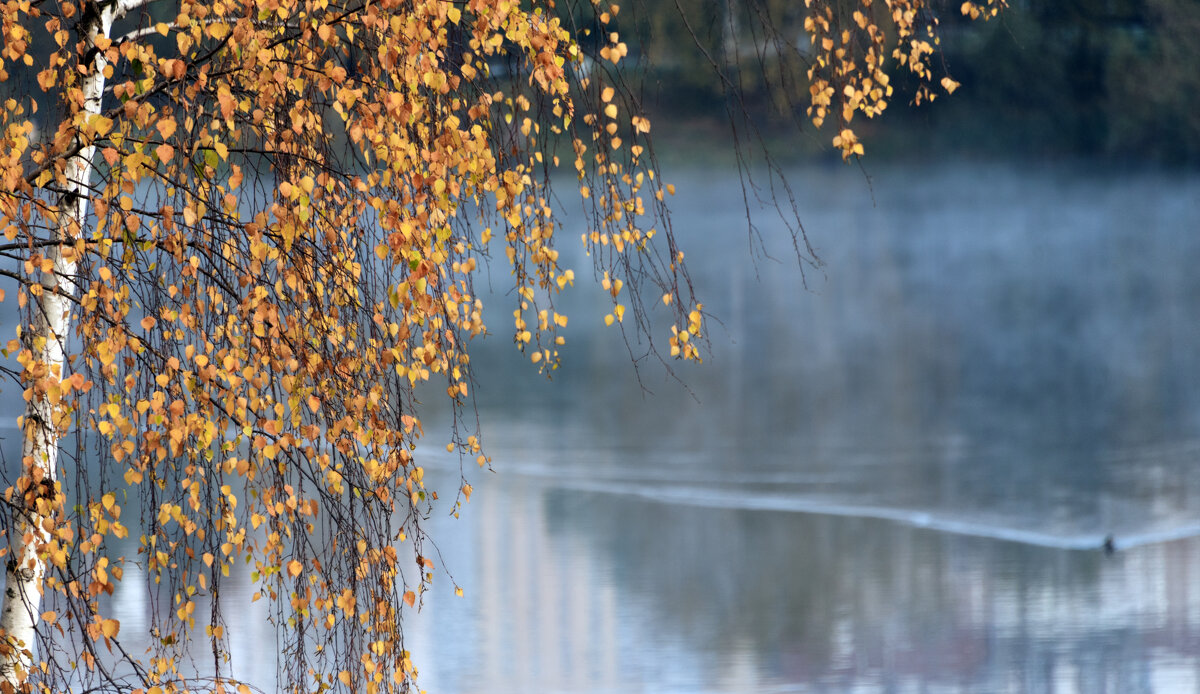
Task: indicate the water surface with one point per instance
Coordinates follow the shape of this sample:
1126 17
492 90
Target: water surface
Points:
895 478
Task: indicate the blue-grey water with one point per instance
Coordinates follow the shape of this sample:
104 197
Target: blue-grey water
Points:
897 479
894 477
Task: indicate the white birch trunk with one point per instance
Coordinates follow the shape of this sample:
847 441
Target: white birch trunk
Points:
47 337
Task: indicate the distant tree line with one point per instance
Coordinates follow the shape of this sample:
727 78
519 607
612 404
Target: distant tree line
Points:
1116 77
1084 77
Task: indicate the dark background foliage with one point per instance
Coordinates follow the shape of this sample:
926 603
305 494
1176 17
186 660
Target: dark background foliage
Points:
1112 79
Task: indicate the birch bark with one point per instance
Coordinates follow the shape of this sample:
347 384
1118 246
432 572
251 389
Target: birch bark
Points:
46 339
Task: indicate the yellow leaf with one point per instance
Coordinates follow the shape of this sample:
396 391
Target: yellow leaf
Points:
109 627
949 85
294 567
101 124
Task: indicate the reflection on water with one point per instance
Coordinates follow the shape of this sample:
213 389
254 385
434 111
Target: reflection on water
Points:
578 591
897 480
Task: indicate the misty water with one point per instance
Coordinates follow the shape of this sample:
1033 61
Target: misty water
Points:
897 479
894 475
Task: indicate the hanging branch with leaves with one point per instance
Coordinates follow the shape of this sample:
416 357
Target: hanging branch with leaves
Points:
243 238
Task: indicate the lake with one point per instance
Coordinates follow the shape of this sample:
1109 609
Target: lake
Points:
896 479
893 475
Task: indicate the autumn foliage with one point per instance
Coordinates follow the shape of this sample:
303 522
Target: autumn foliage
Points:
244 236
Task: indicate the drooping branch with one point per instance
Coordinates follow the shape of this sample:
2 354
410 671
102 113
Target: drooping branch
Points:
259 234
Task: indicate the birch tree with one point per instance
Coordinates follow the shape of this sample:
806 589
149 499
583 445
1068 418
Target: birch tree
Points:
243 241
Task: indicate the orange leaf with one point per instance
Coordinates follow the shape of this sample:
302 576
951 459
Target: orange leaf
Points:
410 598
226 101
294 567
